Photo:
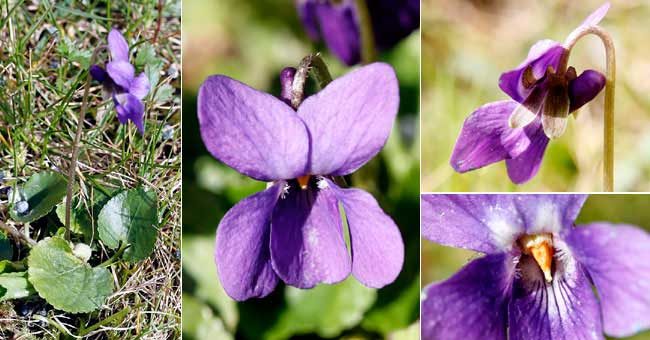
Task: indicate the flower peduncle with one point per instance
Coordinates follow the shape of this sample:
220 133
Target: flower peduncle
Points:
72 167
314 64
368 52
610 86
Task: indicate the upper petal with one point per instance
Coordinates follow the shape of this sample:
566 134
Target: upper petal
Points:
121 72
118 46
130 107
472 304
564 309
593 19
307 13
140 86
377 246
549 213
251 131
492 223
543 54
339 29
242 251
616 257
307 242
484 223
596 16
486 137
350 119
525 166
585 88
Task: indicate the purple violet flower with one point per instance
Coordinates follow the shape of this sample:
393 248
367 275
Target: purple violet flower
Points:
120 82
544 92
337 22
293 230
535 281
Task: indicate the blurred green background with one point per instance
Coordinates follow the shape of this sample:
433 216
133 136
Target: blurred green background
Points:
441 262
467 44
252 41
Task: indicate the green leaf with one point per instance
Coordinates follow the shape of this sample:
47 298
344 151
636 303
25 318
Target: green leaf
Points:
146 55
80 220
131 218
65 281
153 73
326 310
70 51
164 93
412 332
15 286
396 314
6 249
198 263
200 323
42 192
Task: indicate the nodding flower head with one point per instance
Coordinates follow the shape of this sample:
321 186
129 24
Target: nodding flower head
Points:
337 23
120 82
293 231
544 91
537 278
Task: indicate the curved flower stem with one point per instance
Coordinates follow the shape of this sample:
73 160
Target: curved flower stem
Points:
610 86
314 64
72 167
368 52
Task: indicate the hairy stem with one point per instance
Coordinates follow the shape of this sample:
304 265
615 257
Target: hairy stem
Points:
610 87
368 51
155 35
310 64
72 167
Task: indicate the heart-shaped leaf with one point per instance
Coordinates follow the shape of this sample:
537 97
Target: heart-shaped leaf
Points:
326 310
15 286
6 249
81 221
65 281
131 218
42 192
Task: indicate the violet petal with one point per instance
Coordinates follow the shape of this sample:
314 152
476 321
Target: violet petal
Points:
140 86
130 107
565 308
616 258
242 252
525 166
118 46
98 73
472 304
585 88
543 54
484 223
307 242
486 138
307 13
340 29
251 131
121 72
350 119
376 242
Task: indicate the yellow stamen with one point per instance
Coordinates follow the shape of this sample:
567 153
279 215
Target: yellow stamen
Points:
541 248
303 181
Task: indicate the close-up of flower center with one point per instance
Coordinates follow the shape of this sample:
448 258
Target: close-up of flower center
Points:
540 247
